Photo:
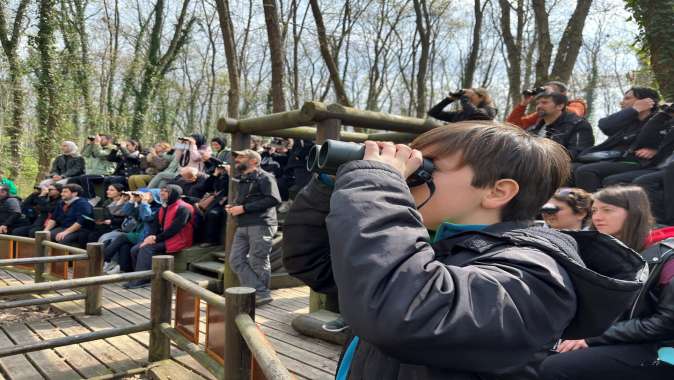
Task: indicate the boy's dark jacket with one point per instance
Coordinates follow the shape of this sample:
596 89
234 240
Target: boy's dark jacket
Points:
479 305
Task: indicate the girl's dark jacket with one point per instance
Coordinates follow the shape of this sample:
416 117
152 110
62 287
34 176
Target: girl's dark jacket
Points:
478 305
468 111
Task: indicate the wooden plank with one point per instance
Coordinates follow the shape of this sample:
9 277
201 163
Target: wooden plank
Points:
74 355
47 362
24 250
6 249
106 353
17 367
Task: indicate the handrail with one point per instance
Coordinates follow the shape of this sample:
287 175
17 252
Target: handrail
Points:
211 298
20 239
193 349
42 260
262 350
64 247
75 283
42 301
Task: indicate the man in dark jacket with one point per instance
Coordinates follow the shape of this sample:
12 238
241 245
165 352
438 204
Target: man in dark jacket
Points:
255 212
72 218
43 205
630 133
486 297
561 126
10 212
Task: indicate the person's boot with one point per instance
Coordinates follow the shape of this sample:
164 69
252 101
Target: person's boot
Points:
336 325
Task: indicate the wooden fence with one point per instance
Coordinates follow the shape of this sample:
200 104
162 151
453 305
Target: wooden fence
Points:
245 352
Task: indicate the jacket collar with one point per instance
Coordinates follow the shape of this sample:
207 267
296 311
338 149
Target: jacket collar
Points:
490 237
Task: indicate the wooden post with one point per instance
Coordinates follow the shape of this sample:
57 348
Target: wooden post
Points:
240 141
40 251
237 354
327 129
160 308
92 304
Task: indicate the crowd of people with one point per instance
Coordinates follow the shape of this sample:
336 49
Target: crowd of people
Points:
141 203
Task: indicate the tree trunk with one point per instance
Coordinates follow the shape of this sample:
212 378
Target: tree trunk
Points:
544 44
234 92
655 19
9 45
569 45
48 106
423 26
329 59
471 63
513 46
277 55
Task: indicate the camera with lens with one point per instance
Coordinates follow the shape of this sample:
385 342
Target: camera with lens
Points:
327 158
669 108
533 91
91 138
457 93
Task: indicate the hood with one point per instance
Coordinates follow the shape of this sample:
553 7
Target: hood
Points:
199 140
174 193
606 274
156 194
72 148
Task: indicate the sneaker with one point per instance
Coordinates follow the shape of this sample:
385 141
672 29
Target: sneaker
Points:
262 300
107 265
114 270
336 325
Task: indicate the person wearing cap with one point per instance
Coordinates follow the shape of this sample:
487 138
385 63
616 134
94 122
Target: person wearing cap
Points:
255 212
10 211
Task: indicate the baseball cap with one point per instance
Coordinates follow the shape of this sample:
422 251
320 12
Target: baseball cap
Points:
249 153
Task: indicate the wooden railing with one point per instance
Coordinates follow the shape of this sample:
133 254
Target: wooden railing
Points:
246 348
93 255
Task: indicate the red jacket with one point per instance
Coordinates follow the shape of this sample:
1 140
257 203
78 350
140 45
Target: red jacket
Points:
183 238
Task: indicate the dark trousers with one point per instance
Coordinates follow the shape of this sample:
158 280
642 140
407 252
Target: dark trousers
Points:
142 257
109 180
615 362
74 238
626 177
214 221
590 177
121 248
87 182
659 186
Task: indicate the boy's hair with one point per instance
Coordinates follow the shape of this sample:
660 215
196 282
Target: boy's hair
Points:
74 188
557 98
498 151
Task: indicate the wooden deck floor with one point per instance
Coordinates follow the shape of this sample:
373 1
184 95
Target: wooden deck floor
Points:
305 357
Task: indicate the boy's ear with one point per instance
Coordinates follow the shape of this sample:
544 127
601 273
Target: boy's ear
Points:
500 194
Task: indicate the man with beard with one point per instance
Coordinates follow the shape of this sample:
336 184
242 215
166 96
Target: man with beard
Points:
561 126
255 212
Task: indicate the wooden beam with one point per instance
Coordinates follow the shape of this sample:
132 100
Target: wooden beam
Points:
44 287
92 304
261 349
160 308
73 339
237 354
43 260
41 301
194 350
40 251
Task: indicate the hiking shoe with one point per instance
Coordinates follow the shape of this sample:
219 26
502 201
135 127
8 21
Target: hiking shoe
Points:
262 300
336 325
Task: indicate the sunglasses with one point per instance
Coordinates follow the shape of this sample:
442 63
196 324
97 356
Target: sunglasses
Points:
549 209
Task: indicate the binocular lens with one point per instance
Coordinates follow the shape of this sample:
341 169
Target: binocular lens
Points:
312 159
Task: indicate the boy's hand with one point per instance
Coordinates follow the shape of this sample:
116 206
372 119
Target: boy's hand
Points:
402 158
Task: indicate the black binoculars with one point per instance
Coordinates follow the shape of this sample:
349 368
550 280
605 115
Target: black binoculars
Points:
328 157
533 91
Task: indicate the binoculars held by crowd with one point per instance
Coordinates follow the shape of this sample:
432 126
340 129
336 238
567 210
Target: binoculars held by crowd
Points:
328 157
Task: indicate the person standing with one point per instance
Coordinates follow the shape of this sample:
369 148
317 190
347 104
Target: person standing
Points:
255 212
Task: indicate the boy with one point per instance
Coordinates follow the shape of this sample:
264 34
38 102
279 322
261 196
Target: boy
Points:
489 297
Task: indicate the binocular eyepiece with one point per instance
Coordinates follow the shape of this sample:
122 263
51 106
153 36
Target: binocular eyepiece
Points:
328 157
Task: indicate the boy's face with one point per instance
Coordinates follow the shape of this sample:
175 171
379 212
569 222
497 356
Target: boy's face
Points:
455 199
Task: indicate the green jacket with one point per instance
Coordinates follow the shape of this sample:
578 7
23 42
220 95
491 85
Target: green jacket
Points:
96 159
12 187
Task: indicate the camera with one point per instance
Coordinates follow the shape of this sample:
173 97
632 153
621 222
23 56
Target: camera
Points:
91 138
533 91
457 93
669 108
327 158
